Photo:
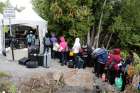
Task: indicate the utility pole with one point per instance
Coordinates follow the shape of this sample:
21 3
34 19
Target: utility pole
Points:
9 13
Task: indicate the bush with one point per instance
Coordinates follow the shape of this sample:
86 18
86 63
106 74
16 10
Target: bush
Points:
7 86
124 53
131 89
136 59
3 74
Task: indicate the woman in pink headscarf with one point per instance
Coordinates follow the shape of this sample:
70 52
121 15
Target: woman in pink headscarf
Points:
63 46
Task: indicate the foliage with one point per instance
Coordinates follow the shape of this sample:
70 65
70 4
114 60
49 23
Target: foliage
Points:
124 53
136 63
73 18
2 5
7 86
127 23
76 17
3 74
136 59
137 68
131 89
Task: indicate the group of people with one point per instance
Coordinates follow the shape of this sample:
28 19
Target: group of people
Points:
108 65
60 49
111 67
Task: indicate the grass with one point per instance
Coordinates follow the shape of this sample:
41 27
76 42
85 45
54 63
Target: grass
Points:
4 74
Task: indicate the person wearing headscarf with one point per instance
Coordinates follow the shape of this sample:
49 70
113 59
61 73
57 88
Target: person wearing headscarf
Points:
77 46
76 50
63 46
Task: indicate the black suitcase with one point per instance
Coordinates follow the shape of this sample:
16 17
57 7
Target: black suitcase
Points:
32 64
40 59
33 57
23 61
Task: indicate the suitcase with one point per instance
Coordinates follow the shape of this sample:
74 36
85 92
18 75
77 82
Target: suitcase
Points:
32 64
40 58
23 61
33 57
47 59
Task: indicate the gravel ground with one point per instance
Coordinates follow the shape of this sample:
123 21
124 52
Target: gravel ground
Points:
72 77
78 80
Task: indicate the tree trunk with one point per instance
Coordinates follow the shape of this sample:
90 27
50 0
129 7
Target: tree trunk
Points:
88 39
109 41
100 25
92 39
105 38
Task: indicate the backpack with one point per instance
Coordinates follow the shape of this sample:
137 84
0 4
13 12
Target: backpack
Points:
119 83
102 57
47 41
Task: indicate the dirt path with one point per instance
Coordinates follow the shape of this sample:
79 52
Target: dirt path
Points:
82 78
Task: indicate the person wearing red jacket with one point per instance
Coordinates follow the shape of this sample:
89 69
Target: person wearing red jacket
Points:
113 60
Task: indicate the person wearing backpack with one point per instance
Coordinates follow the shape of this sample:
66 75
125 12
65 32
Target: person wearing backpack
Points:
101 57
30 39
46 42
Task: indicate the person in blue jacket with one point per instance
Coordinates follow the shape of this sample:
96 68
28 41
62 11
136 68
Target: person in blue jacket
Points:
101 56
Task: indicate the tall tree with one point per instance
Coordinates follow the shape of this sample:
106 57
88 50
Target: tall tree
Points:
73 18
127 24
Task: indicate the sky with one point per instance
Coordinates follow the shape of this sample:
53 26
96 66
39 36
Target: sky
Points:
19 3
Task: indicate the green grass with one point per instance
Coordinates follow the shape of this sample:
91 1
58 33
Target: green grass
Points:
4 74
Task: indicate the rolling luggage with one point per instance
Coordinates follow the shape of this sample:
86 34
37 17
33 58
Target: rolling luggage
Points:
32 64
33 57
23 61
40 58
47 59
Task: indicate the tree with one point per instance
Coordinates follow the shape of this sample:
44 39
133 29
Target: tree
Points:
127 24
73 18
2 5
104 12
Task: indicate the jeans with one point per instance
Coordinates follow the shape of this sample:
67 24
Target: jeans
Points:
63 58
46 48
